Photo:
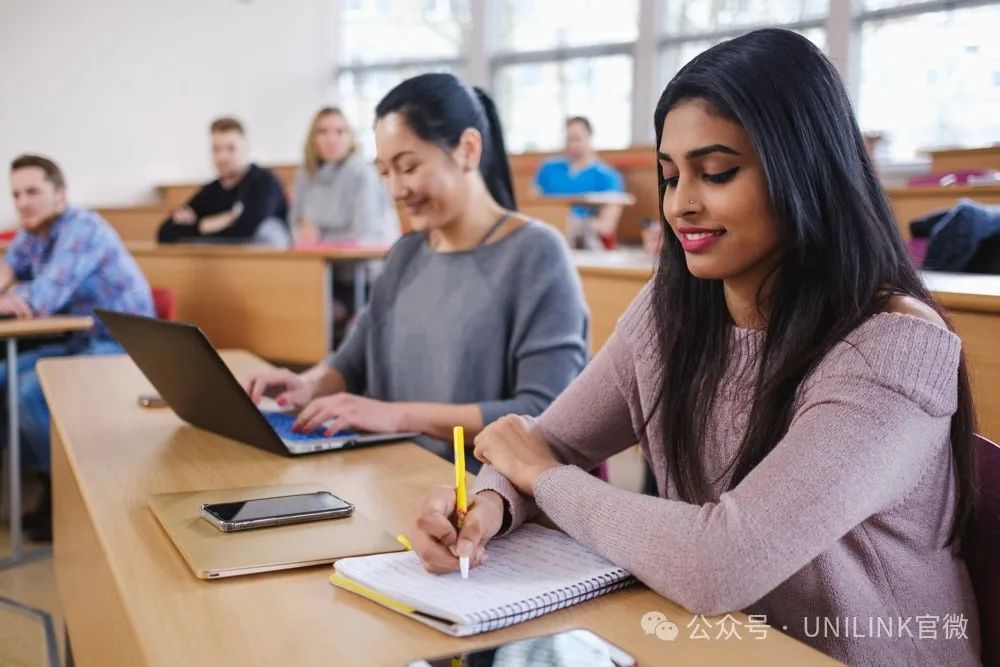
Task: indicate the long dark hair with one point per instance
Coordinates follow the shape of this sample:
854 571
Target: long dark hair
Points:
438 107
844 260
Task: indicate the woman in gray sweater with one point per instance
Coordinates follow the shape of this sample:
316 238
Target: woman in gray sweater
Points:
479 313
337 194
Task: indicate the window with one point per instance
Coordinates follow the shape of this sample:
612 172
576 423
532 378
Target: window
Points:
676 54
383 42
930 79
682 17
535 99
360 91
922 73
692 26
398 30
554 60
869 5
536 25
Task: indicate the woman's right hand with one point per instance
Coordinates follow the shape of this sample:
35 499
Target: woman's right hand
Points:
293 390
435 539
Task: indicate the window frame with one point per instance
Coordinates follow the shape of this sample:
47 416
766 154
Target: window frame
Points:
479 59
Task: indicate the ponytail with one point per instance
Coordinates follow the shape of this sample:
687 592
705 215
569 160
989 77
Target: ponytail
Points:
494 165
438 108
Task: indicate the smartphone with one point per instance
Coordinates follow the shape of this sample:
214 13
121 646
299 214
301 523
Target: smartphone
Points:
570 648
276 511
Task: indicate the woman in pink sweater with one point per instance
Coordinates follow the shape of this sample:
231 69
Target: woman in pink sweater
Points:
801 401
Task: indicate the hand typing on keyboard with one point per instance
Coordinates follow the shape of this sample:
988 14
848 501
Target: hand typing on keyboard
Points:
282 422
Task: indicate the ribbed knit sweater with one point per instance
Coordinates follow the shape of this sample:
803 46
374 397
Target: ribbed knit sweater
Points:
847 517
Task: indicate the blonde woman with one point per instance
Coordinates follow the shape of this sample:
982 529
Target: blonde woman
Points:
338 195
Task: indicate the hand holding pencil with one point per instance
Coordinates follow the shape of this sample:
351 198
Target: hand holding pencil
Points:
451 527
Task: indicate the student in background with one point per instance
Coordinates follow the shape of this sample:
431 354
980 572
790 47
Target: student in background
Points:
805 407
338 197
479 311
63 261
246 204
581 171
337 194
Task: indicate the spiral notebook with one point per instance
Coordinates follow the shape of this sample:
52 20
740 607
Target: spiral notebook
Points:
530 572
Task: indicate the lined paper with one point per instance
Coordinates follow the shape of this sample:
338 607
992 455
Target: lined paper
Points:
530 572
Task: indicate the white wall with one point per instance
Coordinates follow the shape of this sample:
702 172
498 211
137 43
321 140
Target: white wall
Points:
120 92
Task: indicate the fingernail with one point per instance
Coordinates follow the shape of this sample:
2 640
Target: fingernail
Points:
464 547
453 550
282 401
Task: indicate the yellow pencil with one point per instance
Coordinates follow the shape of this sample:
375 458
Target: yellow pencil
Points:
461 495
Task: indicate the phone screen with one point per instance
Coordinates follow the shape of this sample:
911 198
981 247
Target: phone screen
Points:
280 506
572 648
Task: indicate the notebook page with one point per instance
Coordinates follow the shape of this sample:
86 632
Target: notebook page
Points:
532 561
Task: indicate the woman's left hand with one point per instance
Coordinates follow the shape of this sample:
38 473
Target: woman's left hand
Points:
515 447
349 412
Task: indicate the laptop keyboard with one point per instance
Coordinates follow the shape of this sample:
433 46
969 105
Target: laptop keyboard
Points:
282 422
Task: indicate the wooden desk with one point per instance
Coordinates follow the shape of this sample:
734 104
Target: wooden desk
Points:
131 600
275 303
11 331
959 159
973 303
555 209
136 223
43 326
910 203
612 280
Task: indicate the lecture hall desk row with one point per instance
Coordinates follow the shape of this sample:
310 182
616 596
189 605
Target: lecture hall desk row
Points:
140 223
275 303
637 165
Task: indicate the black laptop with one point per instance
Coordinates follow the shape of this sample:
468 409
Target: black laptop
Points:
191 377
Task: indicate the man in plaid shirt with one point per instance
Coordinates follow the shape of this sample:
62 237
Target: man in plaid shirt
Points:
63 261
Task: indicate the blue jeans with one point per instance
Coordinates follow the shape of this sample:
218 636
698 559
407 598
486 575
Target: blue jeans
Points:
34 413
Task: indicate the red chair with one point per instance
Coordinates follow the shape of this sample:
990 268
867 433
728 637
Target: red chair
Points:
165 303
984 561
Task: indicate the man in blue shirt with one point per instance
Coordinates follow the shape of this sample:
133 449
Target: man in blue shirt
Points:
580 172
63 261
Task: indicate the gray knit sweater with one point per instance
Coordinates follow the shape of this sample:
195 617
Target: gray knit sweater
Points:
503 325
346 201
848 516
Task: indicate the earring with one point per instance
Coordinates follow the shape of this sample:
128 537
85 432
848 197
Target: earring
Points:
690 201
